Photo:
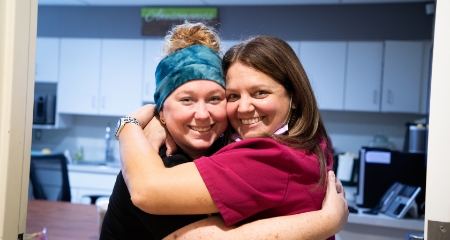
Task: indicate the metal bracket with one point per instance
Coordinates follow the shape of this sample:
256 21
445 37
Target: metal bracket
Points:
438 230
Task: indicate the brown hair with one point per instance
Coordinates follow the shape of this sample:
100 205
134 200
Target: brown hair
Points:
188 34
275 58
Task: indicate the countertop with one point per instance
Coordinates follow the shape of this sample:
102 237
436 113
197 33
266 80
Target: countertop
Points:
95 167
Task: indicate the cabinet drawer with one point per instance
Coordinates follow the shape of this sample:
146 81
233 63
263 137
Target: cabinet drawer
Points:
82 195
92 181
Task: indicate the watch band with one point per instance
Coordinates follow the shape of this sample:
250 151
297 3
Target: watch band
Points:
121 123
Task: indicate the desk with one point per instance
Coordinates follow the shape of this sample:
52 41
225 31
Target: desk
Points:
376 227
63 220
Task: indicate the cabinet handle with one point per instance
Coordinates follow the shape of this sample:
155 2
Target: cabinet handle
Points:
103 102
93 102
390 97
375 99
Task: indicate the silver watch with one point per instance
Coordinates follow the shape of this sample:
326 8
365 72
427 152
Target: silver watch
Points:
121 123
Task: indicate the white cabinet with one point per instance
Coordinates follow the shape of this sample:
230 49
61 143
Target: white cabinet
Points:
402 76
113 77
227 44
47 60
100 77
78 88
121 76
153 53
295 46
363 78
324 63
91 180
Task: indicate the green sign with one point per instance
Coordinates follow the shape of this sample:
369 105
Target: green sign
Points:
157 21
150 14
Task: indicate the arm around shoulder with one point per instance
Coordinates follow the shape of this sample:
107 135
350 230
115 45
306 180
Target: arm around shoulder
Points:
316 225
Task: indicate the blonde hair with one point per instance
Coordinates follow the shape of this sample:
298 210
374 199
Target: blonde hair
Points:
188 34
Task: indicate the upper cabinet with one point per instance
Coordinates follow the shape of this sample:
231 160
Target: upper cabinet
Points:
78 86
47 60
121 72
100 77
324 63
402 76
295 46
363 80
390 76
113 77
153 53
227 44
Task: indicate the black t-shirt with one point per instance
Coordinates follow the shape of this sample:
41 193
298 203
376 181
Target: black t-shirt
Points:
123 220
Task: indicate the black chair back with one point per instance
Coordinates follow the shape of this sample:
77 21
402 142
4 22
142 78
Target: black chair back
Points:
49 177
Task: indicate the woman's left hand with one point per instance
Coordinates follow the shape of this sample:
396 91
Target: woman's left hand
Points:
155 133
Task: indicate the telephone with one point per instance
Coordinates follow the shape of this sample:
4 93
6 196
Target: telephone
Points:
398 200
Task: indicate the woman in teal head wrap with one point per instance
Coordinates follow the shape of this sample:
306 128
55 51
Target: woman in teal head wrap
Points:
190 99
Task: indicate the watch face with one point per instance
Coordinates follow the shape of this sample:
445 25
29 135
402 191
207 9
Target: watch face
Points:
118 124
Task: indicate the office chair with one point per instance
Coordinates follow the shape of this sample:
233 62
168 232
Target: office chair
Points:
49 177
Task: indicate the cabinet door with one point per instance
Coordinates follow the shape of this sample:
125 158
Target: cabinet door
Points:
295 46
121 76
78 87
324 63
227 44
363 81
153 53
47 60
402 76
85 184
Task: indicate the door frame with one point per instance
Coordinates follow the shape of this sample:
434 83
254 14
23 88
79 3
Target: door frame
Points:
437 197
18 29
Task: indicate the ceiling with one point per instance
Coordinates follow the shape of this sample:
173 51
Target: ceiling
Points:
207 2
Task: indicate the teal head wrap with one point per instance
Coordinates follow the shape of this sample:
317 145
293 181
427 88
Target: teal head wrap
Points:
191 63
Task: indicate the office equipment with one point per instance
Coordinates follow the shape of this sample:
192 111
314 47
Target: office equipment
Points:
416 138
381 168
44 109
49 179
398 200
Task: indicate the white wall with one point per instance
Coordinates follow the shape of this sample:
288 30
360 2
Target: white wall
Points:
87 132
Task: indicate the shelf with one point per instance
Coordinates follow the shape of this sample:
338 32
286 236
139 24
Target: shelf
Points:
382 220
379 220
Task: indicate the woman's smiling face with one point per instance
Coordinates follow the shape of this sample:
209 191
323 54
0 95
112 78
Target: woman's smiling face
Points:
195 115
256 102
